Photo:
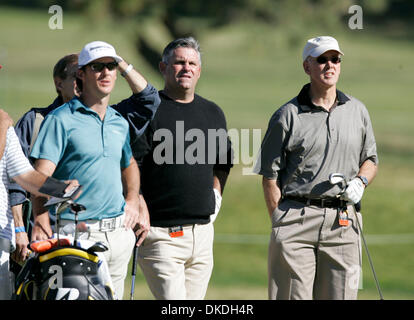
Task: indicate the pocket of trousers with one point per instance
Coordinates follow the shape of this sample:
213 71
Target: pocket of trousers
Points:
351 232
277 215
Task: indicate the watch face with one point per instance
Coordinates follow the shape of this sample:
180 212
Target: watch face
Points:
364 180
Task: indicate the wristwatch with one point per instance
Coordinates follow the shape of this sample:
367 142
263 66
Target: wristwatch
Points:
127 70
364 180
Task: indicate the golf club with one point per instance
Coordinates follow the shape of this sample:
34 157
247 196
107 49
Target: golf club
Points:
75 208
339 178
134 270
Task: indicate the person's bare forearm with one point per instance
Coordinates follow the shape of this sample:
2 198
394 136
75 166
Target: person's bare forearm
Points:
131 182
272 194
135 80
31 181
22 241
369 170
143 226
42 228
17 212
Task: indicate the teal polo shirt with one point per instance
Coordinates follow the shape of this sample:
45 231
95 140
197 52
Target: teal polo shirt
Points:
92 151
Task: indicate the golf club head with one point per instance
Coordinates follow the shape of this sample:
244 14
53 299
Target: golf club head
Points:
63 206
77 207
98 247
336 178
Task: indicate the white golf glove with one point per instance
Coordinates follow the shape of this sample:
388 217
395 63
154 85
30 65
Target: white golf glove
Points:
218 205
354 191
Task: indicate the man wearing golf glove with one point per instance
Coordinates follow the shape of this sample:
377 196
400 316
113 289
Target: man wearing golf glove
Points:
354 191
314 249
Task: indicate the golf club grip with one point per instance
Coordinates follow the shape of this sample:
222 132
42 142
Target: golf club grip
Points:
134 260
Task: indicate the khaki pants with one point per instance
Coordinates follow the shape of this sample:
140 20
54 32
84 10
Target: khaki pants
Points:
178 268
120 243
311 256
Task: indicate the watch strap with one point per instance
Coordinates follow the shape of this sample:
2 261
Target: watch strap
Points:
364 180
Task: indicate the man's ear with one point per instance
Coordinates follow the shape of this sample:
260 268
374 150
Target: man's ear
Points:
306 67
58 83
79 74
162 66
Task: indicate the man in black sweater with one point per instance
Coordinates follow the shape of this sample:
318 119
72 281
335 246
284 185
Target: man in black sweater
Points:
185 158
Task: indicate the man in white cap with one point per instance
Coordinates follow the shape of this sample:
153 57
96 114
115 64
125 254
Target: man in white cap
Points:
89 139
314 251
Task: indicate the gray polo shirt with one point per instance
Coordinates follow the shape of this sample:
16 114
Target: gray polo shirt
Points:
305 143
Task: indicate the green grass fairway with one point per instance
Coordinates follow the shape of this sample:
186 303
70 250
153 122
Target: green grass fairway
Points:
250 70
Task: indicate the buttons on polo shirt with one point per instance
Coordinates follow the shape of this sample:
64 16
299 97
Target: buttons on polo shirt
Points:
104 139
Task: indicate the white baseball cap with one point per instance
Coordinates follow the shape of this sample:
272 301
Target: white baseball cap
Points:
316 46
95 50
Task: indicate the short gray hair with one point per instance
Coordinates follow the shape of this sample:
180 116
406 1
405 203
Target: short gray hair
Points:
188 42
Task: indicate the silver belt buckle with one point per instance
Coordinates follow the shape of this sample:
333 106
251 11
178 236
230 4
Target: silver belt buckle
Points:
106 225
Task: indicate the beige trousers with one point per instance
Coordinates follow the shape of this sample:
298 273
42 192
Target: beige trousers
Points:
311 256
178 268
120 243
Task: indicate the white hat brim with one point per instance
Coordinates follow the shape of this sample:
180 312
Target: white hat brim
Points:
115 57
322 49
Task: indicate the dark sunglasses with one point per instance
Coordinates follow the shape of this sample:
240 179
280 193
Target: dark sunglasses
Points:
99 66
322 60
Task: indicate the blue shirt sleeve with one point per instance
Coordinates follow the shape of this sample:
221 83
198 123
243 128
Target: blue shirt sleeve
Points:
51 141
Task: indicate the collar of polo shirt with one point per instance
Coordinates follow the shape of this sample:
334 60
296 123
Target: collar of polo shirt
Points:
305 101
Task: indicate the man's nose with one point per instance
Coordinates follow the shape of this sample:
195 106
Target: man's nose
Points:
330 64
186 66
105 69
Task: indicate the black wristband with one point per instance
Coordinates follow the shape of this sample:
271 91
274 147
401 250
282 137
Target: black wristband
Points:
364 180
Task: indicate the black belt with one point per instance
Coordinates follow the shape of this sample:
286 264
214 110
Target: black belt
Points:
323 203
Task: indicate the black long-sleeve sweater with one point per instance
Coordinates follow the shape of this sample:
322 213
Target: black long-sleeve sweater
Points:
181 148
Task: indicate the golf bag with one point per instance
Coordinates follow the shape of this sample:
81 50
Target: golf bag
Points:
63 272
